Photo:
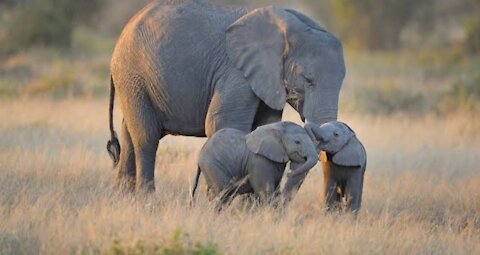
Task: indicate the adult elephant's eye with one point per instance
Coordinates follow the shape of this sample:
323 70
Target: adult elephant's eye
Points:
308 81
297 142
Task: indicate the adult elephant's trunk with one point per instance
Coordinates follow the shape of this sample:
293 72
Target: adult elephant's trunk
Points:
321 105
323 116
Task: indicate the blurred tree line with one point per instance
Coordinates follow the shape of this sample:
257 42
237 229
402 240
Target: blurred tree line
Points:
428 55
393 24
361 24
52 22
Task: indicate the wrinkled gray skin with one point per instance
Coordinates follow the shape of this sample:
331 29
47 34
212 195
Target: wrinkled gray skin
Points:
343 164
237 163
192 68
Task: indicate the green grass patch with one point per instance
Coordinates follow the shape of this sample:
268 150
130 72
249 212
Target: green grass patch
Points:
178 244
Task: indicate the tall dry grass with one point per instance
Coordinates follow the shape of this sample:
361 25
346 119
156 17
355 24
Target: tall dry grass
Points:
421 193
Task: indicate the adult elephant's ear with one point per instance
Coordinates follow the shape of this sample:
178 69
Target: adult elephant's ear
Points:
353 154
266 141
256 43
306 20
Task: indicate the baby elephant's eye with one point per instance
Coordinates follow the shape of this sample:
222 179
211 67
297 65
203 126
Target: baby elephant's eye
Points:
297 142
335 134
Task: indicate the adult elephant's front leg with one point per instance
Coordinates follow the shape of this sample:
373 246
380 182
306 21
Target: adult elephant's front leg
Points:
145 162
266 115
233 105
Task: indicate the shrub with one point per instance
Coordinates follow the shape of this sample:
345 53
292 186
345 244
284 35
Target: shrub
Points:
472 35
59 85
464 95
179 245
375 25
10 245
387 99
7 89
46 22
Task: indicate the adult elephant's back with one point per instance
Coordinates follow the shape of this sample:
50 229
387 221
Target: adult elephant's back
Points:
167 57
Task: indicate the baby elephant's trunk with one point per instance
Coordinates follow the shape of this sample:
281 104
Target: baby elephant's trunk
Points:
305 167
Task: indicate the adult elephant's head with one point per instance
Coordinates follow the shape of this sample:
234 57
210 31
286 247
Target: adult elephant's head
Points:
287 57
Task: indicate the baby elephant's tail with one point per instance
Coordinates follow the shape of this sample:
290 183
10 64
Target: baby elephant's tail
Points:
195 184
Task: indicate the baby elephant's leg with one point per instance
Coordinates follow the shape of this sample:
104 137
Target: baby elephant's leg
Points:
219 184
265 182
354 191
332 198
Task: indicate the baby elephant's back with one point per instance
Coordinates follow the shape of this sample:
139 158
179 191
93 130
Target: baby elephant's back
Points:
226 150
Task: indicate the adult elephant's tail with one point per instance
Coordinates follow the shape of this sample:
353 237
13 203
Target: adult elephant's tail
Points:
113 146
195 184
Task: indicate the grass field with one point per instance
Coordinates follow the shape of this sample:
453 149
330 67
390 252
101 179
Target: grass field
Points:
421 192
416 109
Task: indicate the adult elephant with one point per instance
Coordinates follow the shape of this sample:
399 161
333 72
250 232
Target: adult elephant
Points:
191 68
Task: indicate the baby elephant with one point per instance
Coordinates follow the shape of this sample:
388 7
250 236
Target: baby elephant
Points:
237 163
343 163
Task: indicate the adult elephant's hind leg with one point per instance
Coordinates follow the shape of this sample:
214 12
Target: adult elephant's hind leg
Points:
126 167
146 130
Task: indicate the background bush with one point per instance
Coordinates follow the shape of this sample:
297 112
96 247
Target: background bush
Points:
362 24
472 38
46 22
375 24
402 56
388 99
463 96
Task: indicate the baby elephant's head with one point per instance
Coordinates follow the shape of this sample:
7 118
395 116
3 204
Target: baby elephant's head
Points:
340 141
284 141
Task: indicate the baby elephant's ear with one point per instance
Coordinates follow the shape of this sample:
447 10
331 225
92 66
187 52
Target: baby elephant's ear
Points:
267 141
353 154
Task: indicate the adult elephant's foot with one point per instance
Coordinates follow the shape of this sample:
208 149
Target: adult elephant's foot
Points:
125 183
145 187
